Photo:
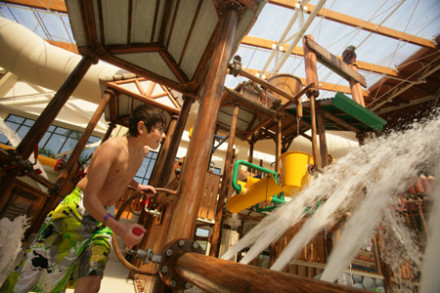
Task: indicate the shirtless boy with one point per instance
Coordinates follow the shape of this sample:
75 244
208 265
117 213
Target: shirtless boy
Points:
75 240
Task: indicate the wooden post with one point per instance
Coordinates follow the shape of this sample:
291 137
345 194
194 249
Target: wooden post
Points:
312 76
226 182
216 275
176 137
356 90
183 221
160 177
66 177
157 177
251 149
279 143
37 131
322 139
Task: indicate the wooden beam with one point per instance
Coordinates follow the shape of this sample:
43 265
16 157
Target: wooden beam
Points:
331 87
359 23
333 63
339 121
243 100
54 5
142 98
298 51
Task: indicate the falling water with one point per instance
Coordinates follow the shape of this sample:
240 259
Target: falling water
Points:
431 266
364 183
11 234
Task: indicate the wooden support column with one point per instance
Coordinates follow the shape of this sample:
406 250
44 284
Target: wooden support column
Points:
279 144
176 137
226 182
251 149
183 221
322 139
66 177
310 61
356 90
162 172
157 231
157 176
37 131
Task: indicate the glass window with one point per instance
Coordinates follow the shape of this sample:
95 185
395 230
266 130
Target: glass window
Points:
58 139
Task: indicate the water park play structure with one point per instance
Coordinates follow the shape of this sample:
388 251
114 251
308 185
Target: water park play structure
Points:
296 168
169 257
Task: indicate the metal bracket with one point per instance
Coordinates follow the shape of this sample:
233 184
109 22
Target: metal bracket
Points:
171 253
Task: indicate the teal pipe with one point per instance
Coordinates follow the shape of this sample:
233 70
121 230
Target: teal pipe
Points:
237 163
275 199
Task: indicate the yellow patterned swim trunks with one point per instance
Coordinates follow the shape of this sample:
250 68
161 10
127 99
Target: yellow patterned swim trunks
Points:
71 244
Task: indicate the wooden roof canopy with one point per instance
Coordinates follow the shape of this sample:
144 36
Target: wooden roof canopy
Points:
167 41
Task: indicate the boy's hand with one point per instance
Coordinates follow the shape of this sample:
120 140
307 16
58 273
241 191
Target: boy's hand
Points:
148 189
133 234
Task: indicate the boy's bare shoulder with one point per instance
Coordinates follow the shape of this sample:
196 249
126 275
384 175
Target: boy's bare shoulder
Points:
114 145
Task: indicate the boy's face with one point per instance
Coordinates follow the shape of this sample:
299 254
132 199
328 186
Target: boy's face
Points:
154 138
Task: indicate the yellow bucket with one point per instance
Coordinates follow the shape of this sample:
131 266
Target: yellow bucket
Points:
294 169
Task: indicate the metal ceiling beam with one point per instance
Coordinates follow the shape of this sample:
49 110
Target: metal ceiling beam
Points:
299 35
275 46
361 24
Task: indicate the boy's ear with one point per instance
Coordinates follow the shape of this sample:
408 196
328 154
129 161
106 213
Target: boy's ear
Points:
141 126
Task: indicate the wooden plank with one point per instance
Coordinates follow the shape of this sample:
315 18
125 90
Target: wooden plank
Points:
334 63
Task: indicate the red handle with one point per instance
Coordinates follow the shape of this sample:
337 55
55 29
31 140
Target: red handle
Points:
137 231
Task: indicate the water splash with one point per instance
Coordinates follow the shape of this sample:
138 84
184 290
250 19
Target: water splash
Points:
14 139
431 266
11 233
364 183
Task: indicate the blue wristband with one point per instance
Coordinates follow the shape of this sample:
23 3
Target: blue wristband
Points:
108 215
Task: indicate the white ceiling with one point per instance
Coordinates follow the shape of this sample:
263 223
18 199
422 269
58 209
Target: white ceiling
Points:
416 17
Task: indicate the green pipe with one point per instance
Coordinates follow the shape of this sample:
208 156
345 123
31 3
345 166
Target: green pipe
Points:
275 199
235 185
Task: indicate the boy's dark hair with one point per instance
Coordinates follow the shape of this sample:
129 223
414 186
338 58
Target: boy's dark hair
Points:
146 113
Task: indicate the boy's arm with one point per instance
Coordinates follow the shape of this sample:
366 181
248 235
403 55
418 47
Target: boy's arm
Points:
148 189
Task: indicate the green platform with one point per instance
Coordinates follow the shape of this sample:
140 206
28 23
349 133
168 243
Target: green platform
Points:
348 110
